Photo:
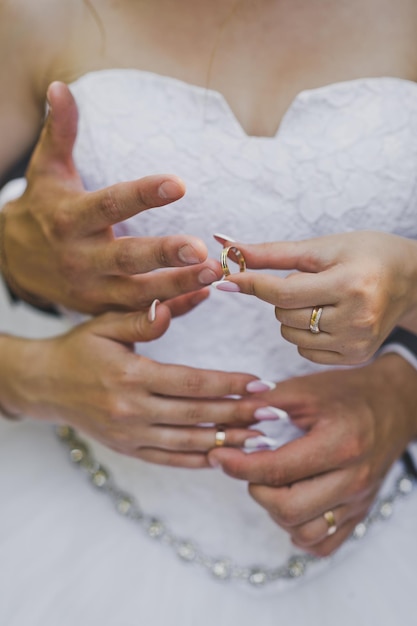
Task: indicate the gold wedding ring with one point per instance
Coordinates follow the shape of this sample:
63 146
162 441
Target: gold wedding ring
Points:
220 438
331 522
315 319
239 256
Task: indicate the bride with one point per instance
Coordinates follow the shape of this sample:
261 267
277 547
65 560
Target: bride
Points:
281 121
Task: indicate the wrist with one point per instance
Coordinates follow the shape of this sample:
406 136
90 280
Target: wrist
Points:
16 291
394 384
21 375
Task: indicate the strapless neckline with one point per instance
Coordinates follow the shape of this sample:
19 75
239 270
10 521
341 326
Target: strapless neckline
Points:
344 88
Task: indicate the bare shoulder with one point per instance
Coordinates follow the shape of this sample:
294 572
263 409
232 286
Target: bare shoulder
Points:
32 36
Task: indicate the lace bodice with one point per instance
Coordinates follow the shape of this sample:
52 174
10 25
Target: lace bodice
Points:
344 158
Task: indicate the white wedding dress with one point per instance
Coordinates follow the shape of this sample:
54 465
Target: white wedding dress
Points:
344 158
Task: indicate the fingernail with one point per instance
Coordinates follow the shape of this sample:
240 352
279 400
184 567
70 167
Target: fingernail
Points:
255 444
188 255
225 285
270 413
214 462
207 277
224 238
168 190
256 386
152 311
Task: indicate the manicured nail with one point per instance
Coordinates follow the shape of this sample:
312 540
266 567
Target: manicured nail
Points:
188 255
256 444
225 285
168 190
270 413
207 276
256 386
152 311
223 238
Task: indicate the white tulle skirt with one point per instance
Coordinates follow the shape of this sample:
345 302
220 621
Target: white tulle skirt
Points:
67 558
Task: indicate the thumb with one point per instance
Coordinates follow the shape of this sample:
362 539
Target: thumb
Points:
130 328
53 152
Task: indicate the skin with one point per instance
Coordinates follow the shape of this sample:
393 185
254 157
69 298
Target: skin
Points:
364 281
259 61
351 442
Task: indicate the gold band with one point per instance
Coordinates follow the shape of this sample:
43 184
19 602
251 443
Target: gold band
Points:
331 522
239 256
315 319
220 438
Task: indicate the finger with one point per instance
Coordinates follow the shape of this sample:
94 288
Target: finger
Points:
328 357
328 545
183 304
300 318
190 460
114 204
189 382
304 256
296 291
198 439
306 500
138 255
138 292
307 340
307 456
186 411
54 150
319 529
133 327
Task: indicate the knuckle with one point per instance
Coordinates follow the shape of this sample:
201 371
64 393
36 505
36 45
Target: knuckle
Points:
110 205
193 383
289 514
123 259
350 449
61 224
304 535
193 415
162 256
363 483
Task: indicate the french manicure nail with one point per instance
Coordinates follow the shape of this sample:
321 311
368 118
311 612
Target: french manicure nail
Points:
152 311
223 237
270 413
256 444
225 285
188 255
256 386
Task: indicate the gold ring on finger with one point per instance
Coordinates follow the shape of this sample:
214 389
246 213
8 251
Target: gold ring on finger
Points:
316 314
331 522
239 256
220 438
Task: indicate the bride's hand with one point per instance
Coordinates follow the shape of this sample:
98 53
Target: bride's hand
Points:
357 423
91 379
363 282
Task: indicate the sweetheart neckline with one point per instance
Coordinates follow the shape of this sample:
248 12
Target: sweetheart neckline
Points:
209 92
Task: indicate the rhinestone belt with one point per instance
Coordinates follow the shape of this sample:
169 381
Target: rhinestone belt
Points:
188 551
